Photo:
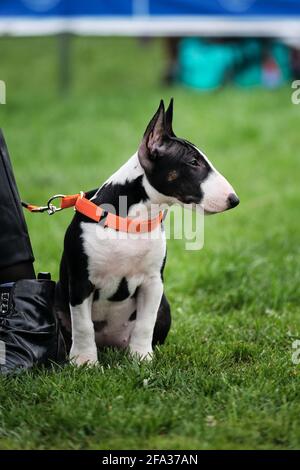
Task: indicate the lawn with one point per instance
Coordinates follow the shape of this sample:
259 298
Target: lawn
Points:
225 378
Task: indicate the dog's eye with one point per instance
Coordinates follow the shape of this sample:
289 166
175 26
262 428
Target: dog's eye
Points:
194 162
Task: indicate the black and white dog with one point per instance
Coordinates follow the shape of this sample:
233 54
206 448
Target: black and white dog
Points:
111 291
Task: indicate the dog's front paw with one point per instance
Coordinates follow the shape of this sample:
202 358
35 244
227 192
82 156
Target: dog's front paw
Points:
79 359
141 354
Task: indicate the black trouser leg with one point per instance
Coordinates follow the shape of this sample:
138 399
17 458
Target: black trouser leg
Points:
29 331
16 256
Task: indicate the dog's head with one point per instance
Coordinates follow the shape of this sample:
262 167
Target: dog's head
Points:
178 170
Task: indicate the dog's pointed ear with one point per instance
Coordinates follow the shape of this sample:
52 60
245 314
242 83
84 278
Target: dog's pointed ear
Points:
169 119
156 129
154 137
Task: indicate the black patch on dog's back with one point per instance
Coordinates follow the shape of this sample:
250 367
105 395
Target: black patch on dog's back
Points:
111 192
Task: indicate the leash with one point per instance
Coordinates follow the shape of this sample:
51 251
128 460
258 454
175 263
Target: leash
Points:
86 207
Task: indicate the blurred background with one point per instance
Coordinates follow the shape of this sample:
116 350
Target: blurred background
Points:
83 79
207 43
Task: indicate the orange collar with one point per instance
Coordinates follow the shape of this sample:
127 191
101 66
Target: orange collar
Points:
96 213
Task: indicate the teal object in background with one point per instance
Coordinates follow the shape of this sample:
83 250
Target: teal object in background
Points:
273 70
204 65
248 72
207 65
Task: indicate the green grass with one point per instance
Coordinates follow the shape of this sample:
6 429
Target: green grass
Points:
225 378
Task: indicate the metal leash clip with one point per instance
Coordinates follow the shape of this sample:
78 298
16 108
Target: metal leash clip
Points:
51 208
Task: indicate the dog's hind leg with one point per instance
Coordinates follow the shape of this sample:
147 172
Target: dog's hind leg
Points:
163 322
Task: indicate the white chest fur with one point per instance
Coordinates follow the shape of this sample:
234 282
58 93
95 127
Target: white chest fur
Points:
113 256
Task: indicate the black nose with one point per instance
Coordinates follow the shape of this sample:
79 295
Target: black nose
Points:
233 201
